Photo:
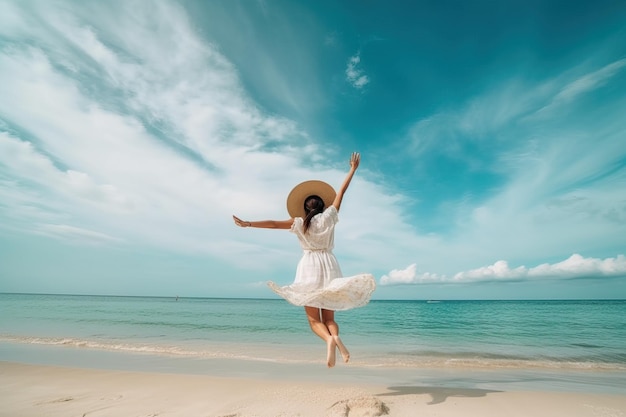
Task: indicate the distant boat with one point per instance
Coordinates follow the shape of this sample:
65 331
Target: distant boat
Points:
433 301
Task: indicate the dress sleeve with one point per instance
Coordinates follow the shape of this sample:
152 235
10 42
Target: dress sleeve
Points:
298 224
332 214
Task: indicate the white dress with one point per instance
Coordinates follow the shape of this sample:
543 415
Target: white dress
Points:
319 282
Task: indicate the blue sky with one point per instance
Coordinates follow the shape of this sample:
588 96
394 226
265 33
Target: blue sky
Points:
492 135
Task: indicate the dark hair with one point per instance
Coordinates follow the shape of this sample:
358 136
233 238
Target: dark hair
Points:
313 205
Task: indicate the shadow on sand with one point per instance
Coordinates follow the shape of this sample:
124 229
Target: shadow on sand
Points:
438 394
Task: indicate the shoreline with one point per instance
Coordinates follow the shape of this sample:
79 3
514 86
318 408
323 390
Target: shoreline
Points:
31 390
509 379
309 353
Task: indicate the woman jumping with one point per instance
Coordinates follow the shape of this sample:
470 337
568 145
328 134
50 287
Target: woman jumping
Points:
319 285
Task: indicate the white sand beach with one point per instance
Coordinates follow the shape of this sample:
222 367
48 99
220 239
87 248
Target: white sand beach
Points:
38 390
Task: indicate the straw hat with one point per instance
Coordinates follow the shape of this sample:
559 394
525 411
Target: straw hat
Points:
302 191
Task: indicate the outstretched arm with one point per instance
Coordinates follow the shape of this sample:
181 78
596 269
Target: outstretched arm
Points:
265 224
355 159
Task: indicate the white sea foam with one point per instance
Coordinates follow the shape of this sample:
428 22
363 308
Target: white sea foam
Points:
309 354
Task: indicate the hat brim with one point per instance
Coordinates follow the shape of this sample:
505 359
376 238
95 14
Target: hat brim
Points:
297 196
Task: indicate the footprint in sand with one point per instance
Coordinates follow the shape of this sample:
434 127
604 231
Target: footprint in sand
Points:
359 407
58 400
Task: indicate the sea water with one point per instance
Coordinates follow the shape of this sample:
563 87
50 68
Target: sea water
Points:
548 336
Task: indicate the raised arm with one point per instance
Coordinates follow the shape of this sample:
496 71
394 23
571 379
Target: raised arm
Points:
265 224
355 159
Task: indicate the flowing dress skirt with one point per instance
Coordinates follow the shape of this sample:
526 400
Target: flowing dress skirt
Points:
319 283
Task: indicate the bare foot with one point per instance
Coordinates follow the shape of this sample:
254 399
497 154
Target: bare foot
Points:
331 345
342 349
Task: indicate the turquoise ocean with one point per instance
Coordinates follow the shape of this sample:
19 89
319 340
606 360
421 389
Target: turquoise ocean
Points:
572 344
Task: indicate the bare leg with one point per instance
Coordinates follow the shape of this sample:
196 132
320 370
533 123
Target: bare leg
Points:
320 329
328 317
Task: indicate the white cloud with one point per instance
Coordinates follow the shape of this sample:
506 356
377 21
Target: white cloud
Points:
516 102
555 185
410 276
125 127
575 266
354 74
98 163
589 82
75 234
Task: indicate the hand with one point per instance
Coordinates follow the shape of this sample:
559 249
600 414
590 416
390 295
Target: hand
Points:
355 160
241 223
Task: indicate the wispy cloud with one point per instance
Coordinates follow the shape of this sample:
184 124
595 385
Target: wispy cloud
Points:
76 234
588 82
123 126
561 180
354 74
509 110
123 141
574 267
